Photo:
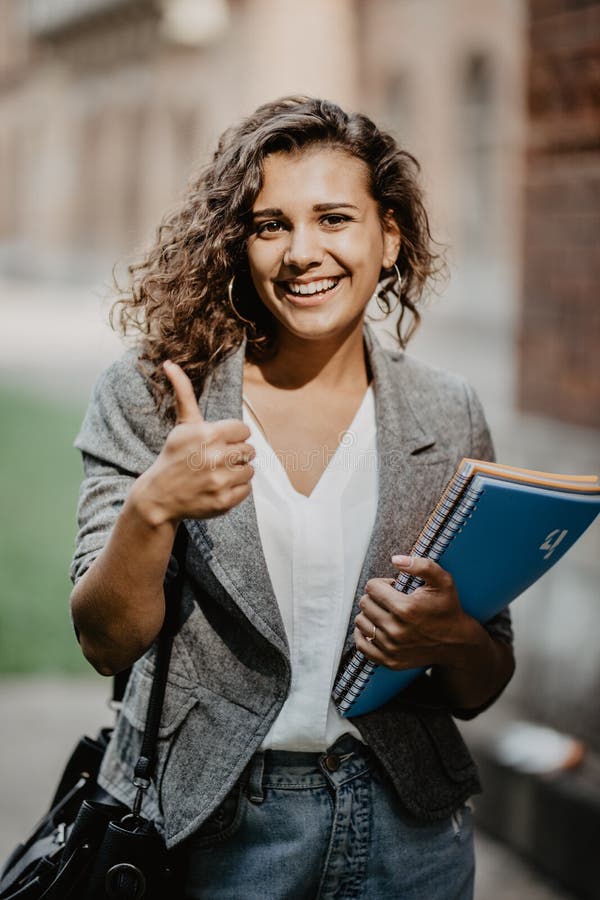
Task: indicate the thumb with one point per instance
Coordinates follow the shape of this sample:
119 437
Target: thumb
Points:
185 398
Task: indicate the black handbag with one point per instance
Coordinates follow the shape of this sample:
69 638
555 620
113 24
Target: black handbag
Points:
87 849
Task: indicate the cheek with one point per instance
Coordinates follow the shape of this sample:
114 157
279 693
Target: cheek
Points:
260 267
365 257
262 257
366 273
262 270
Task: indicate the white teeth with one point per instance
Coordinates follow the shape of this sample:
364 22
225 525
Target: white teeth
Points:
315 287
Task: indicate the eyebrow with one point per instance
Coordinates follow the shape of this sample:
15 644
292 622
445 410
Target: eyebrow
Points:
318 207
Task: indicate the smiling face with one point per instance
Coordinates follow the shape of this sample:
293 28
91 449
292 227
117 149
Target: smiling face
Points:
318 243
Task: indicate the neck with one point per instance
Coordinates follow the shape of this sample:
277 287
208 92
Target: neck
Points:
339 361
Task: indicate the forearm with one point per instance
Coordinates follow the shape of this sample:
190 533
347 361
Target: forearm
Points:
478 668
118 604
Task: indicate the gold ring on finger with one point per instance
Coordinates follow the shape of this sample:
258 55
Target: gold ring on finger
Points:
371 638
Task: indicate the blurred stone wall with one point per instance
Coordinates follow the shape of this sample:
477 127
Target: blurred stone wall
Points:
107 107
560 312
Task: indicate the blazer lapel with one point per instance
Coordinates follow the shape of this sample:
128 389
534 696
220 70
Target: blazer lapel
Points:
406 452
231 543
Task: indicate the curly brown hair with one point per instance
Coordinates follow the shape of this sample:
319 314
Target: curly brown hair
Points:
178 293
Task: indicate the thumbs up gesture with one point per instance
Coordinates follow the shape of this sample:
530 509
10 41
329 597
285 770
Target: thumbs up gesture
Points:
203 469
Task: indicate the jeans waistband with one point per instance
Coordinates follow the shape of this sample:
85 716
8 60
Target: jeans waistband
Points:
347 743
347 758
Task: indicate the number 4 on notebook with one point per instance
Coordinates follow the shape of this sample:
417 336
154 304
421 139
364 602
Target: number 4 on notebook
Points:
553 540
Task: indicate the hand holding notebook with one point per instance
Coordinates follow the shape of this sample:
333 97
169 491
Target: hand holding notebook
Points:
426 627
496 529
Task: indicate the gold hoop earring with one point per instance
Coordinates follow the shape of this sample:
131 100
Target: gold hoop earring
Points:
232 304
381 294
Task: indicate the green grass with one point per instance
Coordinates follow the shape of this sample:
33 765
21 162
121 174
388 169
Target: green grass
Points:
40 472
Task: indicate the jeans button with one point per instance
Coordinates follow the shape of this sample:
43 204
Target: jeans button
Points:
332 762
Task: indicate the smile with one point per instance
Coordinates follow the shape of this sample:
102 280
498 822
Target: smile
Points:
311 293
314 287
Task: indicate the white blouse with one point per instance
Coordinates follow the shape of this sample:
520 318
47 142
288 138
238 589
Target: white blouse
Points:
314 549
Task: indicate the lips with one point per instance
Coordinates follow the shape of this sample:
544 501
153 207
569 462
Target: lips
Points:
309 293
307 288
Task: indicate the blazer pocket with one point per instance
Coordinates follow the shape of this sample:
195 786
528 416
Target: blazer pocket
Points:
177 703
449 745
433 472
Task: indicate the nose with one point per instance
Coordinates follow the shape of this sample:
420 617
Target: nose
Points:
304 248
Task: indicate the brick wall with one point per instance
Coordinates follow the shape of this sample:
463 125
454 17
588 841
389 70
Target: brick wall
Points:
560 319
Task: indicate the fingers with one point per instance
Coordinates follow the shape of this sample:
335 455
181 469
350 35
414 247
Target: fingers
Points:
183 389
369 629
382 592
389 625
228 498
235 455
230 431
370 648
429 571
376 636
389 639
405 630
240 475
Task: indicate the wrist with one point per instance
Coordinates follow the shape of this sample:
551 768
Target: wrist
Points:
146 507
481 669
470 643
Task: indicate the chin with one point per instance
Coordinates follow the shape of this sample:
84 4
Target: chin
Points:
314 331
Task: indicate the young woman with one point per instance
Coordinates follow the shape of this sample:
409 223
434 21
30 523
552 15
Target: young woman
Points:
260 410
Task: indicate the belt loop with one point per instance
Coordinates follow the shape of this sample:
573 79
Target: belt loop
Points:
255 777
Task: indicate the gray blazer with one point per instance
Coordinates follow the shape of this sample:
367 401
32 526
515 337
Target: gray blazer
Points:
230 668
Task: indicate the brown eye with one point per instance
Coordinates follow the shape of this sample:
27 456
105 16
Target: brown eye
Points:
335 220
269 227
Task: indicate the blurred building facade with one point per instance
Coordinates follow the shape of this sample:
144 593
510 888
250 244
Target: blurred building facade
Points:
560 310
107 104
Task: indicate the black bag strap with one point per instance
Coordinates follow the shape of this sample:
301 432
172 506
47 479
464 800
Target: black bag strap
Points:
144 767
119 684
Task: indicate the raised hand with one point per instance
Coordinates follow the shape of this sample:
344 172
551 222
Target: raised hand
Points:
203 469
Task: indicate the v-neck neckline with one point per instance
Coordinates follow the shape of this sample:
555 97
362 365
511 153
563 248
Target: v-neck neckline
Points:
326 471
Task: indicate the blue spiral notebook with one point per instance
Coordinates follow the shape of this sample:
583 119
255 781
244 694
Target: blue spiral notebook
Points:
496 529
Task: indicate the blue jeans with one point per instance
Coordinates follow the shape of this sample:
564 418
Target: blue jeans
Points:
326 826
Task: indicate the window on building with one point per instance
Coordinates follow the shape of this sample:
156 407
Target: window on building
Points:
398 111
477 127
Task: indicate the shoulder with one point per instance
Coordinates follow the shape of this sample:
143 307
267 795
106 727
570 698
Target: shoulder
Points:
444 402
430 390
123 385
427 379
129 364
122 423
